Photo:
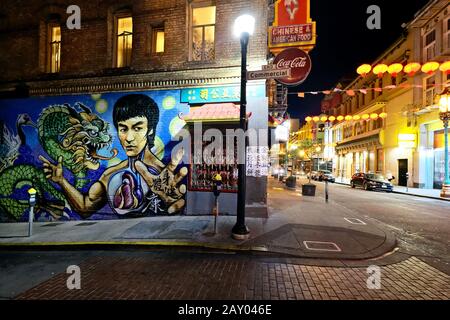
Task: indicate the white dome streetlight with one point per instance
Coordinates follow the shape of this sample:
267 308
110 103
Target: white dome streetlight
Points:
244 24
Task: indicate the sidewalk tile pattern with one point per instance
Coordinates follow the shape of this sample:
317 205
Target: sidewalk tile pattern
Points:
232 278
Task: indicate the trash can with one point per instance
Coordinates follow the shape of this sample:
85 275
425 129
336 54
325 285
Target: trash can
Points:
291 182
309 190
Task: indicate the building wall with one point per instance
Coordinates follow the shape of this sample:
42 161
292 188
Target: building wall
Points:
426 115
88 51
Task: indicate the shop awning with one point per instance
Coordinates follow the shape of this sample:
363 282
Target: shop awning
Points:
214 112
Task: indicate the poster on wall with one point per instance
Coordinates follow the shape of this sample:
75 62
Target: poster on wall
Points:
258 161
97 157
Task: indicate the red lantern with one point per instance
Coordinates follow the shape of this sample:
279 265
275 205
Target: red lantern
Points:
380 70
395 69
412 68
364 69
430 67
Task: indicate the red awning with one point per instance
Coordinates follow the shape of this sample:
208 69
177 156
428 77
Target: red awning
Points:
214 112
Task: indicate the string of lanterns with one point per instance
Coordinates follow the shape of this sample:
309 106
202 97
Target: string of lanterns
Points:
366 116
410 69
351 92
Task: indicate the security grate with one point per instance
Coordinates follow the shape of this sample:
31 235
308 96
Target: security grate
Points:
321 246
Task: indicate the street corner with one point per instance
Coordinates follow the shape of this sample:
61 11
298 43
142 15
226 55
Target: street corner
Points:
326 242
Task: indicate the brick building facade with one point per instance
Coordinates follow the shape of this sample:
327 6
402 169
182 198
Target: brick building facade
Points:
172 51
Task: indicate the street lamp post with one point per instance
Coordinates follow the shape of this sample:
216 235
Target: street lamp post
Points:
444 115
243 27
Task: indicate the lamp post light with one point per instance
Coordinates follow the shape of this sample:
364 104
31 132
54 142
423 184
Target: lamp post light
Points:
444 115
244 26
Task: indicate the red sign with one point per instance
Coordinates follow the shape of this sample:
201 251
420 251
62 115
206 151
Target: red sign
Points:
291 34
291 12
298 61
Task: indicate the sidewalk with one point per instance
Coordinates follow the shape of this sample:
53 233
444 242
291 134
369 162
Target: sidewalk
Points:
297 226
426 193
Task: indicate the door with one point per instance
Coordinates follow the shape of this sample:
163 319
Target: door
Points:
402 170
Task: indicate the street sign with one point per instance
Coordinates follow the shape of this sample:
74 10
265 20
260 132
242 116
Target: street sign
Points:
268 74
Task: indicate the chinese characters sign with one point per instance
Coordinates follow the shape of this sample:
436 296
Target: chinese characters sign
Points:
257 161
219 94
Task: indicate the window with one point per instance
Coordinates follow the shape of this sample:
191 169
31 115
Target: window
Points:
430 46
203 33
54 49
124 41
429 91
158 40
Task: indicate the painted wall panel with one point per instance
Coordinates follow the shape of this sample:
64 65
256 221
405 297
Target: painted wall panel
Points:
99 156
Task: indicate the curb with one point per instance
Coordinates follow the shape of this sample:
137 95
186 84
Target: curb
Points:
106 244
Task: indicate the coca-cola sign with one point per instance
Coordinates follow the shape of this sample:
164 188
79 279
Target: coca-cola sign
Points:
298 61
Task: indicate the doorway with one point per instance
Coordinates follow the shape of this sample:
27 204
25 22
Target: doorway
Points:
402 170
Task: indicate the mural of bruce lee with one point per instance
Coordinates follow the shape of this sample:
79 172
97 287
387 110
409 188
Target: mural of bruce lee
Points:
135 117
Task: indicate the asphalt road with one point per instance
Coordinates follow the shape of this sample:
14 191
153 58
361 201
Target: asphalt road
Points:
421 225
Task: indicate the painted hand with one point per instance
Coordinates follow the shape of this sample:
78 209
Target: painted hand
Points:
53 172
165 185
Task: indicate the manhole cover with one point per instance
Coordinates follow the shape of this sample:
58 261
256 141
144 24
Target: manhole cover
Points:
355 221
52 224
85 224
321 246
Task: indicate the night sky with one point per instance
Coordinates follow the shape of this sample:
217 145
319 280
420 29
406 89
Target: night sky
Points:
344 42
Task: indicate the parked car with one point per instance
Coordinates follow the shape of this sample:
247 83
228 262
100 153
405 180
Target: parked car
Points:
325 175
371 181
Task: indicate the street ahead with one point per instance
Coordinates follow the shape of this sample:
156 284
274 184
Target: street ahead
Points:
421 225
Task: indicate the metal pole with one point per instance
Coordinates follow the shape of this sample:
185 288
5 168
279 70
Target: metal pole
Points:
32 201
240 230
446 164
216 214
326 190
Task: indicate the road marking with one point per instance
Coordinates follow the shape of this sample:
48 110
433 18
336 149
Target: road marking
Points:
276 188
355 221
321 246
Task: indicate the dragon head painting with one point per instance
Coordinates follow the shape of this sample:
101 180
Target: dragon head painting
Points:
77 137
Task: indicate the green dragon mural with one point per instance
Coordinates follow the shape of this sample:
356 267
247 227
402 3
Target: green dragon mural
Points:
66 134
